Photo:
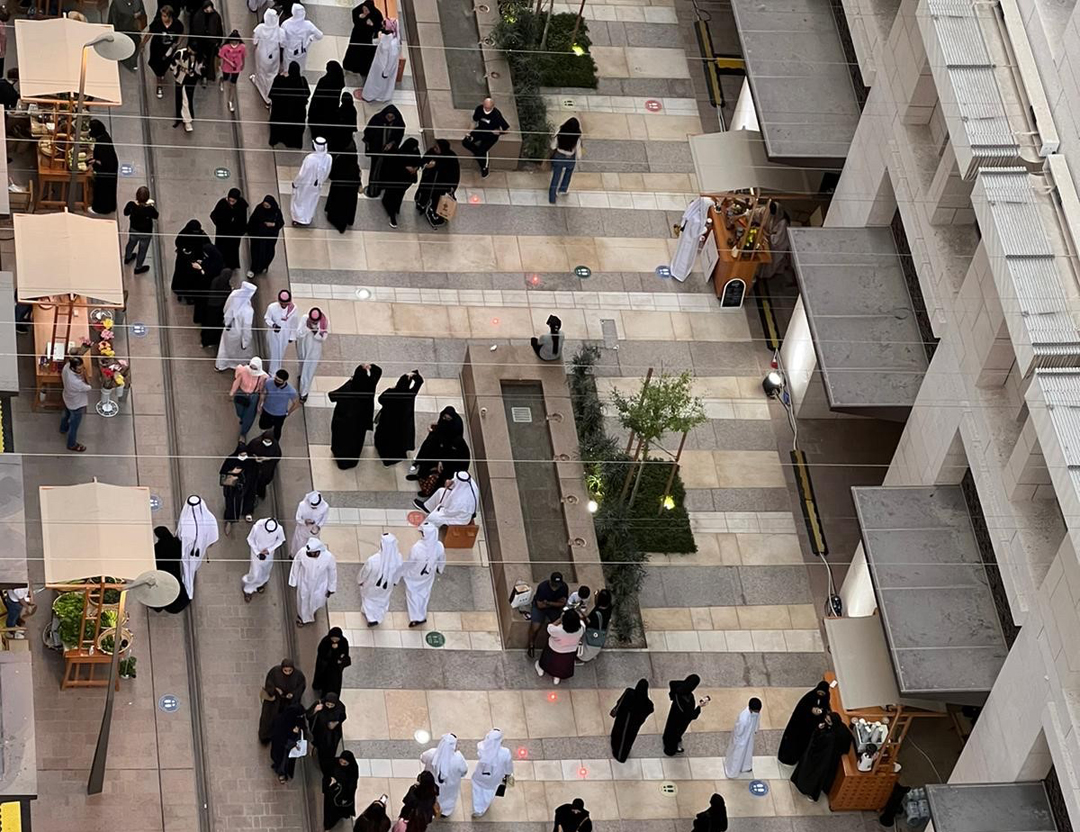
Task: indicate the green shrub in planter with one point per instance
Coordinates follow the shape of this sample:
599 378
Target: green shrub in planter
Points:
127 668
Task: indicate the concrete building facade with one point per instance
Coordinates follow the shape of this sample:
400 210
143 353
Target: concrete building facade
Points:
968 149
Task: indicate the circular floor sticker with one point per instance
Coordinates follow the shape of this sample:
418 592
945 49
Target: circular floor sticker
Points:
663 271
169 703
653 106
759 788
583 271
669 788
435 639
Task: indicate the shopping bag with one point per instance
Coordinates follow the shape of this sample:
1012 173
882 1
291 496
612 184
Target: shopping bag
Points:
447 207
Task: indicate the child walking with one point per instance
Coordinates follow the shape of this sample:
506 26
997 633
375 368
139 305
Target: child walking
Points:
233 55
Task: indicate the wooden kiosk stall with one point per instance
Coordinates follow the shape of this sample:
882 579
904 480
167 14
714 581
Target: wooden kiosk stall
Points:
96 538
866 689
68 267
50 63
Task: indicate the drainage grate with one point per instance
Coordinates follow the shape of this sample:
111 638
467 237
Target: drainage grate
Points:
521 414
610 333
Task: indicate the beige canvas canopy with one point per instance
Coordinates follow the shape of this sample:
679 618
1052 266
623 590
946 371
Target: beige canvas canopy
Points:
50 55
66 253
96 529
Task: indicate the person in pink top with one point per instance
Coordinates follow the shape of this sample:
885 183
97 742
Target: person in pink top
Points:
233 55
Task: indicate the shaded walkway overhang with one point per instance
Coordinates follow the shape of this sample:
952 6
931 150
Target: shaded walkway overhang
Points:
990 807
736 161
799 78
933 596
865 332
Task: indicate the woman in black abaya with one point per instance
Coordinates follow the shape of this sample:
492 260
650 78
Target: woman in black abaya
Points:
213 315
322 112
630 712
342 134
230 222
344 189
684 710
267 453
339 790
807 714
286 732
105 166
354 410
325 718
442 175
264 225
288 108
381 137
167 557
397 175
713 819
330 662
442 454
239 476
395 435
816 769
210 267
187 277
367 23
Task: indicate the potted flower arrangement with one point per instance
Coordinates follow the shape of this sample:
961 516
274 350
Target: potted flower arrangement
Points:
113 372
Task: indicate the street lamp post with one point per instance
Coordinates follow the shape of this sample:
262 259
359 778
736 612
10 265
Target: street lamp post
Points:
154 589
113 48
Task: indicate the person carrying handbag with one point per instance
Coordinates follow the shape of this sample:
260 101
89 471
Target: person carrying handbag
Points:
493 773
596 627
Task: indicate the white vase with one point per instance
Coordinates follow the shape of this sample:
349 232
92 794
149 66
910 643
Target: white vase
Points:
107 407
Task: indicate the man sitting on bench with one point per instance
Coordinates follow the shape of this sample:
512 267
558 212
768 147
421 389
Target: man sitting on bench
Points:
453 505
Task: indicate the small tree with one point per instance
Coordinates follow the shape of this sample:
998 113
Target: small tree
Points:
664 405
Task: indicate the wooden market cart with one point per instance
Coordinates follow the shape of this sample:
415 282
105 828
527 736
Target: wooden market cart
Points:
69 266
50 61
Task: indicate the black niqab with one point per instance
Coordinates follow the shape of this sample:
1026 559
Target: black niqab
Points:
330 662
365 30
230 223
288 108
684 710
322 112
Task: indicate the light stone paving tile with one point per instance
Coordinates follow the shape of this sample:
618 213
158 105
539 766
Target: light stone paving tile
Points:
803 641
713 641
682 641
804 616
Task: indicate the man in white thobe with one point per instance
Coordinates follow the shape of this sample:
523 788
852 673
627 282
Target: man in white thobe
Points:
236 346
309 180
265 537
198 531
266 46
493 764
283 323
740 751
454 505
447 765
311 514
426 559
314 574
313 330
693 225
377 580
297 35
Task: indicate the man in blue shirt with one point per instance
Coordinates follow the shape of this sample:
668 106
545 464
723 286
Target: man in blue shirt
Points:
279 399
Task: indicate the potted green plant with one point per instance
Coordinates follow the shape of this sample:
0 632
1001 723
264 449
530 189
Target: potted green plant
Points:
127 668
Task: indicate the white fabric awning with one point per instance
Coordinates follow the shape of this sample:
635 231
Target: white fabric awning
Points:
736 160
50 57
66 253
96 529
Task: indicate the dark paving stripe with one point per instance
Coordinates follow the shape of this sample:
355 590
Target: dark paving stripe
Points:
720 586
491 670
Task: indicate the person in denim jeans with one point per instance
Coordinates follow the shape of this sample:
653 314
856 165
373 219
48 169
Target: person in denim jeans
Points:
247 387
143 213
76 390
564 157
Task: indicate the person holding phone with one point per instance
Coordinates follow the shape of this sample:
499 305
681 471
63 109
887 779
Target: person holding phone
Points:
684 710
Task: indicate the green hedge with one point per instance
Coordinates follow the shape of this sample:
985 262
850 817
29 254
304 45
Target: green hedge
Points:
518 33
625 535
